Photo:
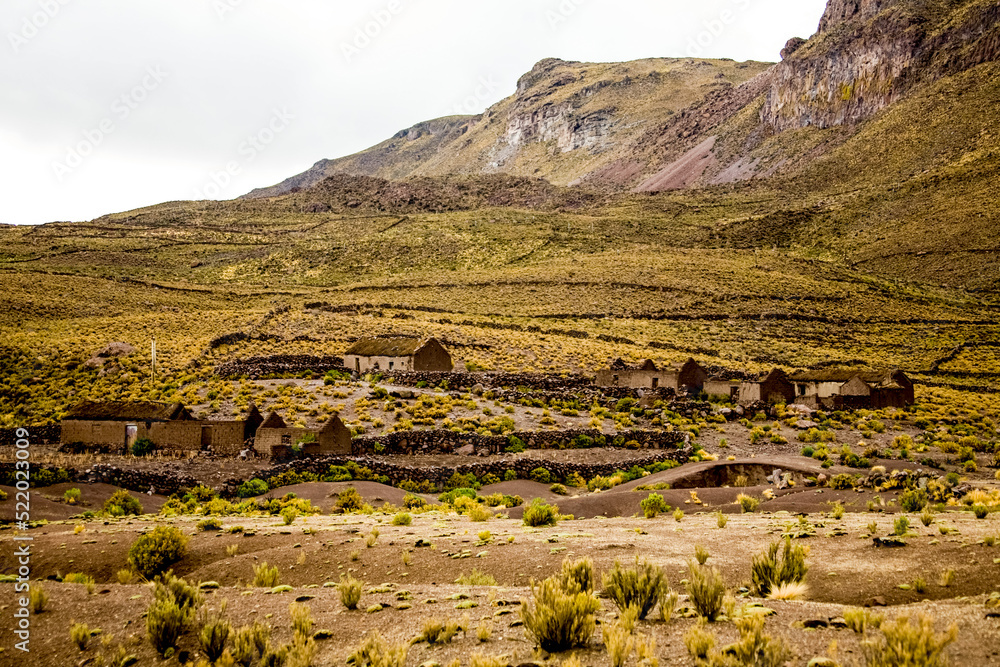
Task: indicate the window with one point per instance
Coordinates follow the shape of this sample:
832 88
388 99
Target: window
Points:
286 439
391 364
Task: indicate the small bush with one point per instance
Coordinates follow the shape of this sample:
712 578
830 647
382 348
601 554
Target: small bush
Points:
349 500
542 476
577 575
619 643
981 511
637 586
479 513
289 514
350 591
249 642
252 488
748 503
558 489
560 619
213 636
706 589
699 642
402 519
842 481
903 644
122 504
266 577
79 634
476 578
143 447
860 620
768 571
653 504
413 502
80 578
210 524
165 621
437 632
540 513
901 526
72 497
913 500
153 552
757 648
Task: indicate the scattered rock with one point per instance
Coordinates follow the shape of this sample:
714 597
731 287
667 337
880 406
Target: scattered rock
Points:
877 601
815 623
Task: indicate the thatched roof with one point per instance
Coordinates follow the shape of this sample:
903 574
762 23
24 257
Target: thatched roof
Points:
129 411
883 378
386 347
273 420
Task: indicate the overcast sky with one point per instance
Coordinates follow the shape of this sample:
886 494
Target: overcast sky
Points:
107 105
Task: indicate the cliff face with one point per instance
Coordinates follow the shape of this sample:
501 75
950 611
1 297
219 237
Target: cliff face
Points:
869 53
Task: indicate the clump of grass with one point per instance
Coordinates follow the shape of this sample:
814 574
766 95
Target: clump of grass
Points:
701 554
80 578
437 632
213 635
376 652
266 577
79 634
980 511
872 527
637 586
577 575
250 642
927 517
165 621
792 590
947 578
37 598
768 570
479 513
721 520
476 578
350 591
668 603
402 519
757 648
860 620
903 643
232 550
211 523
699 641
901 526
678 514
407 557
748 503
838 511
706 589
483 631
561 618
619 642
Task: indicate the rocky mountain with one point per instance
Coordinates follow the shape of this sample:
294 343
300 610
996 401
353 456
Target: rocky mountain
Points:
663 124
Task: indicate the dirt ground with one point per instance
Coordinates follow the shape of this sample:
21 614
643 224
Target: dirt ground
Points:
845 568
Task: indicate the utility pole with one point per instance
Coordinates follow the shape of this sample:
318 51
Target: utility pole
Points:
153 363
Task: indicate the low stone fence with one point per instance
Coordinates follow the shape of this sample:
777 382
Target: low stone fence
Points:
488 380
438 475
37 435
440 441
281 364
141 481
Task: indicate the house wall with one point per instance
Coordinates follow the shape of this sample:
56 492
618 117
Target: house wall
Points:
363 364
749 393
636 379
271 441
336 440
432 357
774 390
691 376
99 432
721 388
227 437
180 435
819 389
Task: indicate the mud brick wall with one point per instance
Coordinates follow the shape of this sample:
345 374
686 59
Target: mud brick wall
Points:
281 364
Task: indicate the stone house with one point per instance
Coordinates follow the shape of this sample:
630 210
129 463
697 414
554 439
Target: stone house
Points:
372 354
687 376
276 439
118 424
853 389
774 387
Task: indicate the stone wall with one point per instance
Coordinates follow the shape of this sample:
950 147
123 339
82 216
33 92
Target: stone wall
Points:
279 364
441 441
42 435
513 380
437 475
164 483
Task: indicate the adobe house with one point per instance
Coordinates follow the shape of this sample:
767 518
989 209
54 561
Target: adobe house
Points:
722 387
275 438
687 376
775 387
373 354
119 424
852 388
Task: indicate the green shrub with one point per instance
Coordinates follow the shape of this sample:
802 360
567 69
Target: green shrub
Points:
757 648
142 447
437 632
122 504
913 500
72 496
349 500
558 489
289 515
901 526
560 619
637 586
706 589
451 496
539 513
577 575
210 524
768 571
748 503
402 519
653 504
249 642
981 511
542 476
903 644
37 598
476 578
841 482
168 586
252 488
376 652
153 552
413 502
